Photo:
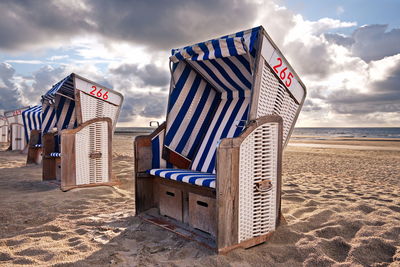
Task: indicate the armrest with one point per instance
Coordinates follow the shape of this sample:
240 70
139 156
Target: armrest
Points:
142 151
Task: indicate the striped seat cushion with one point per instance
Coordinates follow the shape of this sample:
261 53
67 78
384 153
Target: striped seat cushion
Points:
187 176
55 154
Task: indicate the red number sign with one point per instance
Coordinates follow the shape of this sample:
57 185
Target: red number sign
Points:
100 93
17 112
284 74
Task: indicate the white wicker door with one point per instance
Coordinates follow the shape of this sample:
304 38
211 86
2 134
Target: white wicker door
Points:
258 180
18 139
92 154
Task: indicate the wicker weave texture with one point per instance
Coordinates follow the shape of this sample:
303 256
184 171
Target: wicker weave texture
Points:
93 139
4 133
258 162
18 139
93 107
274 99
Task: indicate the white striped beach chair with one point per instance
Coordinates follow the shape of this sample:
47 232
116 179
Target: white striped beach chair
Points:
16 128
32 119
215 164
79 118
3 130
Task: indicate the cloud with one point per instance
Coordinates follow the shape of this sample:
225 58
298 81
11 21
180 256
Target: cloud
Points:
148 75
383 96
10 93
29 23
159 25
369 42
147 105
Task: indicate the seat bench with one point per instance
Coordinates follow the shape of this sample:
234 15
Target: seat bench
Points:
187 176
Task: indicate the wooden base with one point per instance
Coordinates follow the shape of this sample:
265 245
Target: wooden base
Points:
181 229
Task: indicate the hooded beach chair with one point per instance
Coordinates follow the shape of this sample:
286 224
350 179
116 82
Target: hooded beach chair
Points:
79 118
3 130
212 171
16 128
32 119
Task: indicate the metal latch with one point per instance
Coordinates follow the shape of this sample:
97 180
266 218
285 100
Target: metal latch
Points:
264 186
95 155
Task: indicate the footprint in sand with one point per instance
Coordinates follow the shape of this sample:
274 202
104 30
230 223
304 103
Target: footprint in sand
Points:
336 248
372 251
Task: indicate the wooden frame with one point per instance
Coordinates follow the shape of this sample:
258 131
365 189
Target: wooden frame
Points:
223 200
34 153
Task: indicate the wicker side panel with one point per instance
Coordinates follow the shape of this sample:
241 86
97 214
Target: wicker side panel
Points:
95 108
258 164
4 133
274 99
18 139
92 140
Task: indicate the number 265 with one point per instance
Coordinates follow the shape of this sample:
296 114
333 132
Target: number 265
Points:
282 73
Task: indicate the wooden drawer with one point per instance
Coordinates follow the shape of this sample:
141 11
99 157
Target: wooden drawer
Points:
170 202
202 213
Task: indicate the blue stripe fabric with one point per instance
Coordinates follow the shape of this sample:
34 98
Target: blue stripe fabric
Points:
230 45
32 120
51 94
192 103
187 176
224 125
48 117
156 149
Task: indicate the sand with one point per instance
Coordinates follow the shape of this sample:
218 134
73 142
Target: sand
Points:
342 207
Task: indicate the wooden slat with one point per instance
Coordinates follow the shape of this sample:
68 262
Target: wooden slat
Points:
227 193
68 160
49 163
202 213
34 153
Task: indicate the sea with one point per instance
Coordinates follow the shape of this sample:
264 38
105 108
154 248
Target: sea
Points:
344 132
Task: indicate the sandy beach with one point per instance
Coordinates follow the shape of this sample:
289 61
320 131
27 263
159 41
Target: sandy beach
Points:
341 204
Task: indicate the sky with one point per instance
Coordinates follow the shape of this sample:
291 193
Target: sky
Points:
347 53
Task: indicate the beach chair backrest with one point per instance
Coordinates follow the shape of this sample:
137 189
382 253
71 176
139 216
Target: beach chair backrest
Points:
96 101
75 100
32 119
218 86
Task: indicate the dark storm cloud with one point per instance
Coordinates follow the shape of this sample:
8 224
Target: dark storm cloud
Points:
156 24
384 96
149 105
370 42
10 93
149 75
170 24
339 39
311 59
25 23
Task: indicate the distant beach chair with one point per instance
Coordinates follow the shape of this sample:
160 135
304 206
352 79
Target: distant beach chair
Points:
32 119
16 128
79 118
3 130
215 164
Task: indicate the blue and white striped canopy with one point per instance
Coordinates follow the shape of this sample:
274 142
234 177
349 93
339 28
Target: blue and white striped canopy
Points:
210 95
66 86
32 119
58 106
